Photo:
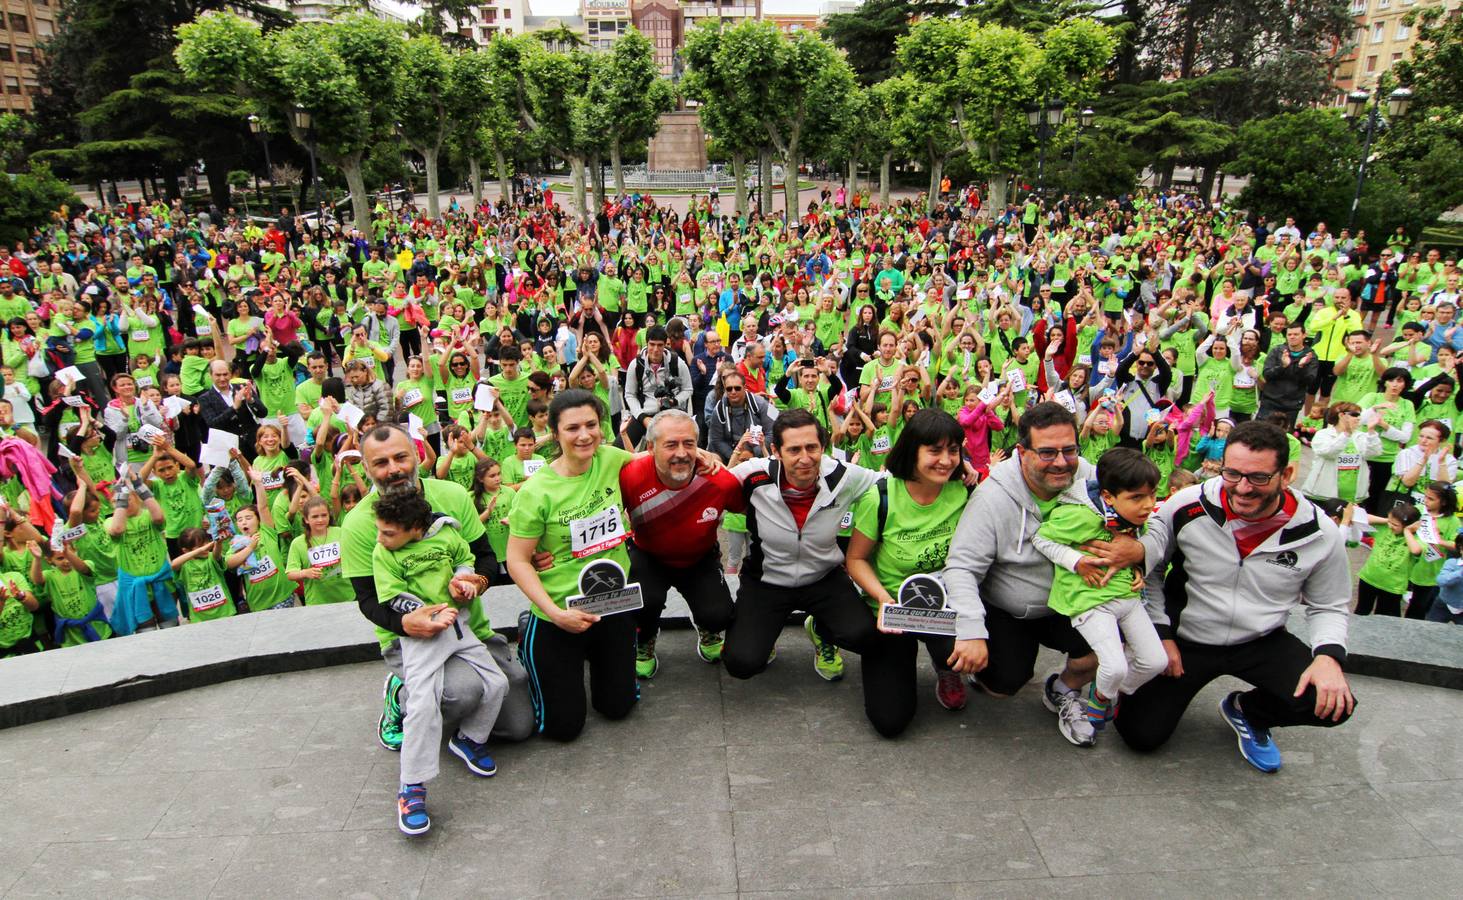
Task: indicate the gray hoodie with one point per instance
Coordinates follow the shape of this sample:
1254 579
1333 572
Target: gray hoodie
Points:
992 558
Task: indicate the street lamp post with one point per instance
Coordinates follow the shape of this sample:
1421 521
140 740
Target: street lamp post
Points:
1356 107
304 122
1084 122
256 125
1045 119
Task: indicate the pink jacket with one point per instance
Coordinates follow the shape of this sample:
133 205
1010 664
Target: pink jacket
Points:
19 458
978 423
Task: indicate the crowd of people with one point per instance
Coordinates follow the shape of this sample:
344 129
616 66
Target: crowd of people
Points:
1085 417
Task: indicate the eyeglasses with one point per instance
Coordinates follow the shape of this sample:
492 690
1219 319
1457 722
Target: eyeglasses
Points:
1353 413
1258 479
1050 454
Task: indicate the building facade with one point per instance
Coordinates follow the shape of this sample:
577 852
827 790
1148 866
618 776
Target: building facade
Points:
25 26
1383 38
661 22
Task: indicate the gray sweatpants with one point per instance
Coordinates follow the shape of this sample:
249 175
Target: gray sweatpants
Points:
425 662
462 690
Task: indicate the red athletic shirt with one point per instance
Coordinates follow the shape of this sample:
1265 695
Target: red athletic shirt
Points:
677 527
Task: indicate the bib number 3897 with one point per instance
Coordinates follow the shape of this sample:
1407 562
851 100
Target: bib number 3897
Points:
596 533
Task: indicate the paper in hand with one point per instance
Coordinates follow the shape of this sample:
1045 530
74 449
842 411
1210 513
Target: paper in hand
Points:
351 414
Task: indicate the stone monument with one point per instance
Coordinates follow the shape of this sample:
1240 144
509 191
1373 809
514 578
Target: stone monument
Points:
680 144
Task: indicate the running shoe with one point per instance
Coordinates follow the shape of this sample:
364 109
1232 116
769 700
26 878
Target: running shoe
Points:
479 762
1051 694
827 659
708 645
1255 744
411 810
646 663
1073 723
949 689
388 729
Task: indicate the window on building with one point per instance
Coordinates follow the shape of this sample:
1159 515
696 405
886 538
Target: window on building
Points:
44 28
1358 7
490 15
507 13
1383 4
5 55
19 24
1404 31
1371 64
25 55
12 84
32 84
1396 58
1378 32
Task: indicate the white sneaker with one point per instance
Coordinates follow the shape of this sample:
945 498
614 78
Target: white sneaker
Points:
1073 723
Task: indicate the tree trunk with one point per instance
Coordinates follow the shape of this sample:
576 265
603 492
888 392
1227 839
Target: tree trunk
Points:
617 168
790 192
852 178
937 170
142 184
218 181
764 163
1219 189
1206 183
998 190
475 172
429 159
597 182
576 167
739 172
505 190
355 179
1165 176
885 165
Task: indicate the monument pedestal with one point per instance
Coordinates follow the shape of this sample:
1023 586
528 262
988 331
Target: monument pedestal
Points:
680 144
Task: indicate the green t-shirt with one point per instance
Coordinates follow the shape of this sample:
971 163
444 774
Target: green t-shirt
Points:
517 471
16 622
1356 382
578 520
1424 570
181 502
307 393
201 582
141 550
1072 525
495 525
277 388
460 469
358 529
72 596
1402 413
915 538
99 551
193 375
514 395
1387 568
423 569
332 586
264 582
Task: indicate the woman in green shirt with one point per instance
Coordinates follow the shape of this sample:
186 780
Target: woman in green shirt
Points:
572 509
1399 415
903 527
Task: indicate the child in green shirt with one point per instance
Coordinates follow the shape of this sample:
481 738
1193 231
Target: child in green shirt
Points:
200 578
1121 499
1395 548
421 560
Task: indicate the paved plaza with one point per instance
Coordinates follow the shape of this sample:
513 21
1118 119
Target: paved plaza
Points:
275 787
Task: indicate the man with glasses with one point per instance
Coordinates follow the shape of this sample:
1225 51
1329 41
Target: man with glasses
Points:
1228 560
998 582
1143 380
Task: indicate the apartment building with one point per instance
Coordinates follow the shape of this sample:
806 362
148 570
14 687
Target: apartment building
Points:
1382 38
25 26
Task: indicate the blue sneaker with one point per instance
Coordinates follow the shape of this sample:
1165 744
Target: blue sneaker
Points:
1255 744
474 754
411 810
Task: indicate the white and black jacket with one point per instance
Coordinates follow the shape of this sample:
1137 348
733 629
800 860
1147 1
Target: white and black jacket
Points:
781 554
1200 590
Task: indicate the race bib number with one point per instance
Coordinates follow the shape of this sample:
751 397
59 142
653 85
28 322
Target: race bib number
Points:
1244 379
1107 367
1427 534
1069 403
886 383
989 393
846 522
881 444
140 335
70 534
72 400
206 599
1348 462
461 395
273 480
144 381
325 555
599 532
411 398
204 329
262 571
1017 379
531 466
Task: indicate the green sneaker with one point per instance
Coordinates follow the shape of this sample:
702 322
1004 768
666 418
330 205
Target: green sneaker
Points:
388 730
646 665
827 659
708 645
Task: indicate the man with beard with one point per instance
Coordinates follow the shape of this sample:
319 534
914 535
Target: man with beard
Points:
674 512
392 465
998 583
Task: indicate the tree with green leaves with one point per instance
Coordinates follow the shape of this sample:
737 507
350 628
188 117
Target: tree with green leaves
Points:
423 114
484 117
343 73
629 97
1423 145
551 93
920 128
1299 164
718 78
1170 122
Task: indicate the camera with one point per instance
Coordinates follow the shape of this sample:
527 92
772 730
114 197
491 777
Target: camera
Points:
668 390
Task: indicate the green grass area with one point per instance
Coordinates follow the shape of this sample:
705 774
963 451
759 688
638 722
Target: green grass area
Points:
560 187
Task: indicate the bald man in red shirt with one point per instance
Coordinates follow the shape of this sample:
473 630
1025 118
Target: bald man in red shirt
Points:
674 512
